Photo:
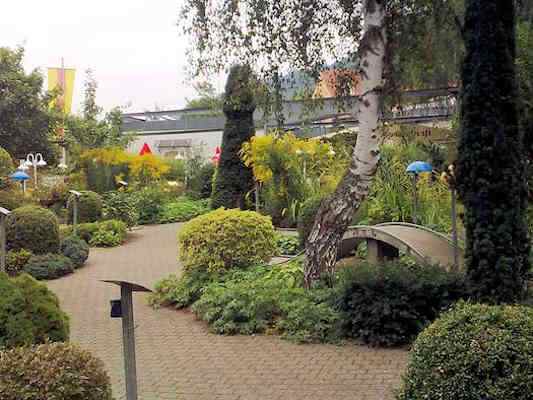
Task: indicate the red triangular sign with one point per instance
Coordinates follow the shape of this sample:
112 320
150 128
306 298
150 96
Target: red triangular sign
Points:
145 150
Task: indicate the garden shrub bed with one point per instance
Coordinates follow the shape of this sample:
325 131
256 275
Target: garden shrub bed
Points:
49 266
89 207
109 233
182 210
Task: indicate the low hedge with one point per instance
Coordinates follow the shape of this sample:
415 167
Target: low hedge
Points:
89 207
99 234
76 249
473 352
182 210
32 228
224 239
29 313
49 266
390 304
57 371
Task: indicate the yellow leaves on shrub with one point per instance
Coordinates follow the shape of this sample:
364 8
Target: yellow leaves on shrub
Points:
224 239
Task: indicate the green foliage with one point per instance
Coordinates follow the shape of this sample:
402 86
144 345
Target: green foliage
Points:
11 198
32 228
49 266
76 249
121 206
89 207
390 304
182 210
200 179
150 202
29 314
473 352
177 170
16 260
52 371
110 233
288 244
491 165
234 180
183 291
24 109
224 239
306 217
6 168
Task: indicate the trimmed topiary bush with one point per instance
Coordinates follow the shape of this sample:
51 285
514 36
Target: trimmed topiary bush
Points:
306 217
29 314
58 371
89 207
76 249
473 352
16 260
390 304
49 266
224 239
33 228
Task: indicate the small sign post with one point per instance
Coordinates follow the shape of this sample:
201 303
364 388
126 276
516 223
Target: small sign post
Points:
77 196
123 308
3 214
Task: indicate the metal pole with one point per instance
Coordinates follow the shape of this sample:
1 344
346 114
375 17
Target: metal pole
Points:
75 215
128 340
2 243
454 231
415 199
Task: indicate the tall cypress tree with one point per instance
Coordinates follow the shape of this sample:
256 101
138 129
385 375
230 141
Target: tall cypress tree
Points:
492 161
233 179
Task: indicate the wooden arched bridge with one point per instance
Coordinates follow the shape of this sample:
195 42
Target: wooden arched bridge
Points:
386 241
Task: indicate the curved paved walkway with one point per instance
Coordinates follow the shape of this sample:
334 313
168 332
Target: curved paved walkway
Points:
177 358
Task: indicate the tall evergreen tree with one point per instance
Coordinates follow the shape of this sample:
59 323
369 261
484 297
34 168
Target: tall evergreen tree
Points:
234 180
492 161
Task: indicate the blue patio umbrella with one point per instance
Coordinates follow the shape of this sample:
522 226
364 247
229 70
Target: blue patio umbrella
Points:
19 176
418 167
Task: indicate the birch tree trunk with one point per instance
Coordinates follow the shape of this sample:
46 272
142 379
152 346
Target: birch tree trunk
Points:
335 214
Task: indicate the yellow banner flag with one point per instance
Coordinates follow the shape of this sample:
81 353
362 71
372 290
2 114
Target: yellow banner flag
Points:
62 79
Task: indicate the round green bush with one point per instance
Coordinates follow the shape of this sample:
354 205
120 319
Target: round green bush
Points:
224 239
49 266
473 352
16 260
29 313
306 217
33 228
76 249
58 371
89 207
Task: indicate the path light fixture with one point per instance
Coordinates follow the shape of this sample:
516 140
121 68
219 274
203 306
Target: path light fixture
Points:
20 176
77 196
123 308
415 169
35 160
3 251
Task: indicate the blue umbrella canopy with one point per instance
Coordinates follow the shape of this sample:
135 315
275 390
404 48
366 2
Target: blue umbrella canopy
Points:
418 167
19 176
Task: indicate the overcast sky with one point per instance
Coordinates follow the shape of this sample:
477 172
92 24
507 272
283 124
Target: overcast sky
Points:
133 47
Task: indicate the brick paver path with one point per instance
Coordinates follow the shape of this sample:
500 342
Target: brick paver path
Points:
178 359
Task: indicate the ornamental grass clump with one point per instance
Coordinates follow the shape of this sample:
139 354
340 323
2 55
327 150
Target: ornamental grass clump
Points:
225 239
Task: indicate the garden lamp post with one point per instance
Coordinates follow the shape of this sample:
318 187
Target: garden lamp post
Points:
20 176
3 214
77 196
35 160
415 169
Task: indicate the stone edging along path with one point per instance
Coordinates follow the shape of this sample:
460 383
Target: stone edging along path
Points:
177 358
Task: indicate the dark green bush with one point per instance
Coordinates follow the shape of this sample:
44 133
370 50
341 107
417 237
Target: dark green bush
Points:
390 304
16 260
29 313
306 217
182 210
11 198
200 182
6 168
183 291
288 244
54 371
76 249
121 206
473 352
84 231
89 207
49 266
150 201
33 228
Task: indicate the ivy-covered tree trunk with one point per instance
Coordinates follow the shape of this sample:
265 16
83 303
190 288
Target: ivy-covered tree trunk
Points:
491 168
233 180
335 214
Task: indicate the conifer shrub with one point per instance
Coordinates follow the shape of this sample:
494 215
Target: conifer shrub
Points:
33 228
76 249
224 239
16 260
49 266
29 313
473 352
52 371
90 206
